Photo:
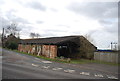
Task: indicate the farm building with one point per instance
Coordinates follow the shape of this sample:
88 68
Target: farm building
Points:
67 46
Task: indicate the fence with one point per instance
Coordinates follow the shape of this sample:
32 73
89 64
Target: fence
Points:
106 56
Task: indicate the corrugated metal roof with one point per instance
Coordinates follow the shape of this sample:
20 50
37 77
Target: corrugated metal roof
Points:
51 40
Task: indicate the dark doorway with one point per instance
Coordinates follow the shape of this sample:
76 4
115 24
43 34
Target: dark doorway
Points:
63 51
67 50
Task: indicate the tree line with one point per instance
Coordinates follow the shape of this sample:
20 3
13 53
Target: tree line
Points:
10 36
14 30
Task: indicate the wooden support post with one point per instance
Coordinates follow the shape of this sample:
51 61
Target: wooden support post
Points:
49 51
69 48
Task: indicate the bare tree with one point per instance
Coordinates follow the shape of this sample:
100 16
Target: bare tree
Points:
12 29
37 35
34 35
89 38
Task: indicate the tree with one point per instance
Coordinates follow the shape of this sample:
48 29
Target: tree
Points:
33 35
37 35
11 45
13 29
89 38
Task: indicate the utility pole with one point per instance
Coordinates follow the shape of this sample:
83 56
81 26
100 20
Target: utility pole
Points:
3 34
111 45
2 39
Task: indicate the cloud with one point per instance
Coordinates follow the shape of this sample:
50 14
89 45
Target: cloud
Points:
61 25
119 19
25 33
11 17
54 10
3 22
48 34
95 9
103 12
26 30
36 5
55 30
99 19
112 29
104 21
20 20
106 13
39 22
2 2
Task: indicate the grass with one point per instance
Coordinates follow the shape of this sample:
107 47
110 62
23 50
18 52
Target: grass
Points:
83 61
73 61
42 57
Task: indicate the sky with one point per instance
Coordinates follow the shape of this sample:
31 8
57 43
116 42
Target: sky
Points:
53 18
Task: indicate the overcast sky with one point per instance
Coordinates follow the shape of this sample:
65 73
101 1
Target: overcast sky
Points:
52 18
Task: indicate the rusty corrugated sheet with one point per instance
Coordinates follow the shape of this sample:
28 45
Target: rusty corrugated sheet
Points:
39 50
49 51
45 50
27 48
53 51
32 49
21 48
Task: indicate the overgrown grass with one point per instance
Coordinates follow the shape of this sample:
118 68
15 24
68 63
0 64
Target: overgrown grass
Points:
73 61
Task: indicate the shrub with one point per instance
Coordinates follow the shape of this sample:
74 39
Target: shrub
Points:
12 45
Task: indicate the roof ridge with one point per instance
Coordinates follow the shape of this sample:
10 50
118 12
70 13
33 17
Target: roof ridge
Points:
53 37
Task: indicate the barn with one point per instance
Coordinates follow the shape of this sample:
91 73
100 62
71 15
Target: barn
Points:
66 46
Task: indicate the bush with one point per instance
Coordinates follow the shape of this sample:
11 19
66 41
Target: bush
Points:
12 45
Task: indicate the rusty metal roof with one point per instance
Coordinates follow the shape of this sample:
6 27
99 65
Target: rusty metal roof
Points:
50 40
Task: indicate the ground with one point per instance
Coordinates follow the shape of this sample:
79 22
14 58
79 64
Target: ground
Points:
21 66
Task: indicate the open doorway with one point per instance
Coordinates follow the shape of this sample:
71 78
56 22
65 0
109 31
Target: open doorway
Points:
62 51
67 50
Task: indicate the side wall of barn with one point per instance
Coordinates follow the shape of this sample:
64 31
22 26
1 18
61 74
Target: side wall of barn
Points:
86 49
81 48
